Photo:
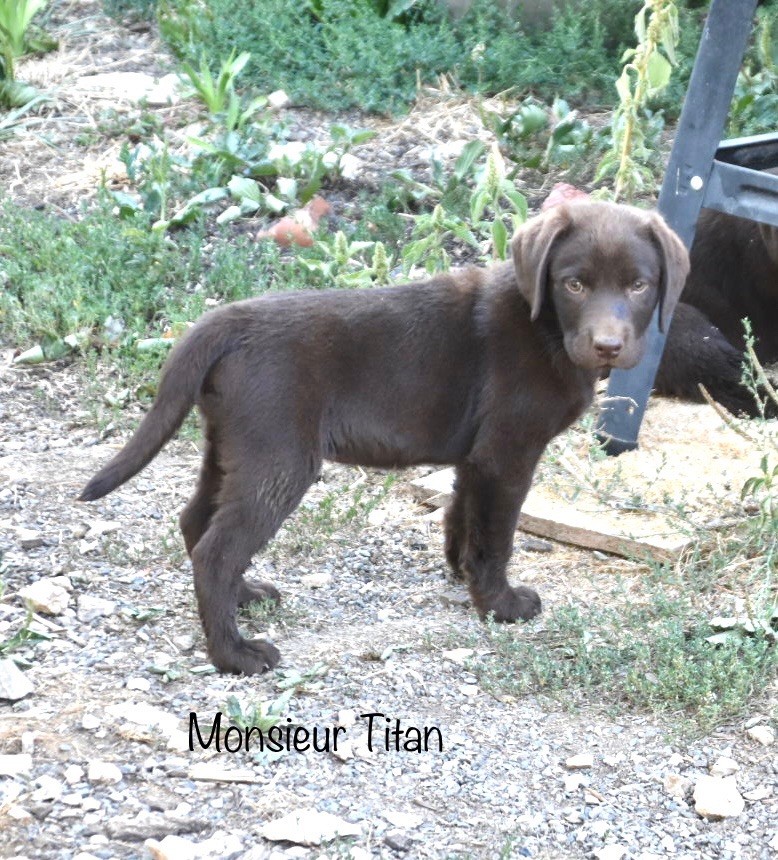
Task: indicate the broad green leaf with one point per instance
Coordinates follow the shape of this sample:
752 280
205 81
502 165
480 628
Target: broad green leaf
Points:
659 71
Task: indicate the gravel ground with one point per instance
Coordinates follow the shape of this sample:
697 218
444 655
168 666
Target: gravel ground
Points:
98 758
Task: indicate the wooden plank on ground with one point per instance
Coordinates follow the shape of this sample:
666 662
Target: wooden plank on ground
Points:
585 522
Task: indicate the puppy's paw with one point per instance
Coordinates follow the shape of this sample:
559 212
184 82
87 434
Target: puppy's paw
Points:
257 590
512 604
247 657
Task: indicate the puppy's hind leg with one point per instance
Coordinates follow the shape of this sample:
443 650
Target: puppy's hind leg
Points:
196 517
254 500
197 514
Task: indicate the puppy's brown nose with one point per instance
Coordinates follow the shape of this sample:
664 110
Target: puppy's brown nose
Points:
607 347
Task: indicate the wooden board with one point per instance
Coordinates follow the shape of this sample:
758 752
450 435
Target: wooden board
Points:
585 523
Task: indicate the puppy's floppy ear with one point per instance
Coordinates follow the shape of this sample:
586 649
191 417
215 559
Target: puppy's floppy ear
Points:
675 268
531 248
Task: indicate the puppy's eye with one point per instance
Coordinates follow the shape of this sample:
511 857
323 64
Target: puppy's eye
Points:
638 287
574 286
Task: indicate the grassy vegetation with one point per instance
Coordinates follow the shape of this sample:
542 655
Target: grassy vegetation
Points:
661 652
484 51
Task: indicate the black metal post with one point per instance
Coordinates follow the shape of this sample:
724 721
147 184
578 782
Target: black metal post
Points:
700 127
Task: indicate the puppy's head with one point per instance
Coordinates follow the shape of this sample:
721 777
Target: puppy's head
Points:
604 268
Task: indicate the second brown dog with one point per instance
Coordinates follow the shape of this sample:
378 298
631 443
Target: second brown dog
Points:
479 369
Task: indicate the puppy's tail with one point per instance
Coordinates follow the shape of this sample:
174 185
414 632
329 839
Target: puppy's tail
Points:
182 377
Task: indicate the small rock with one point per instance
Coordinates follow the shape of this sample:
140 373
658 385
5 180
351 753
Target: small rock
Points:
90 607
211 772
172 848
580 761
48 790
14 684
19 764
347 718
536 545
676 785
316 580
141 714
278 99
178 741
724 766
46 596
469 689
455 597
717 797
573 782
151 826
398 841
74 774
98 528
167 91
405 820
104 772
29 538
762 734
308 827
142 684
19 813
610 852
344 751
184 643
458 655
761 792
89 722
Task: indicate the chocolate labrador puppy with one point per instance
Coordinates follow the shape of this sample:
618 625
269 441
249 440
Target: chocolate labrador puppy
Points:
479 368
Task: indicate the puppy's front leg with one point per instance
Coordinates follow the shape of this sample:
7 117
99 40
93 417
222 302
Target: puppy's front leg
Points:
487 509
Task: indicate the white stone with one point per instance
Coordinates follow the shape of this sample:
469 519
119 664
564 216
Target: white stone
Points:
724 766
29 538
574 781
278 99
90 607
580 761
73 774
142 684
103 772
762 734
14 684
761 792
145 715
166 91
316 580
717 797
49 789
15 764
458 655
171 848
212 772
676 785
610 852
46 596
308 827
404 820
178 741
347 718
90 721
